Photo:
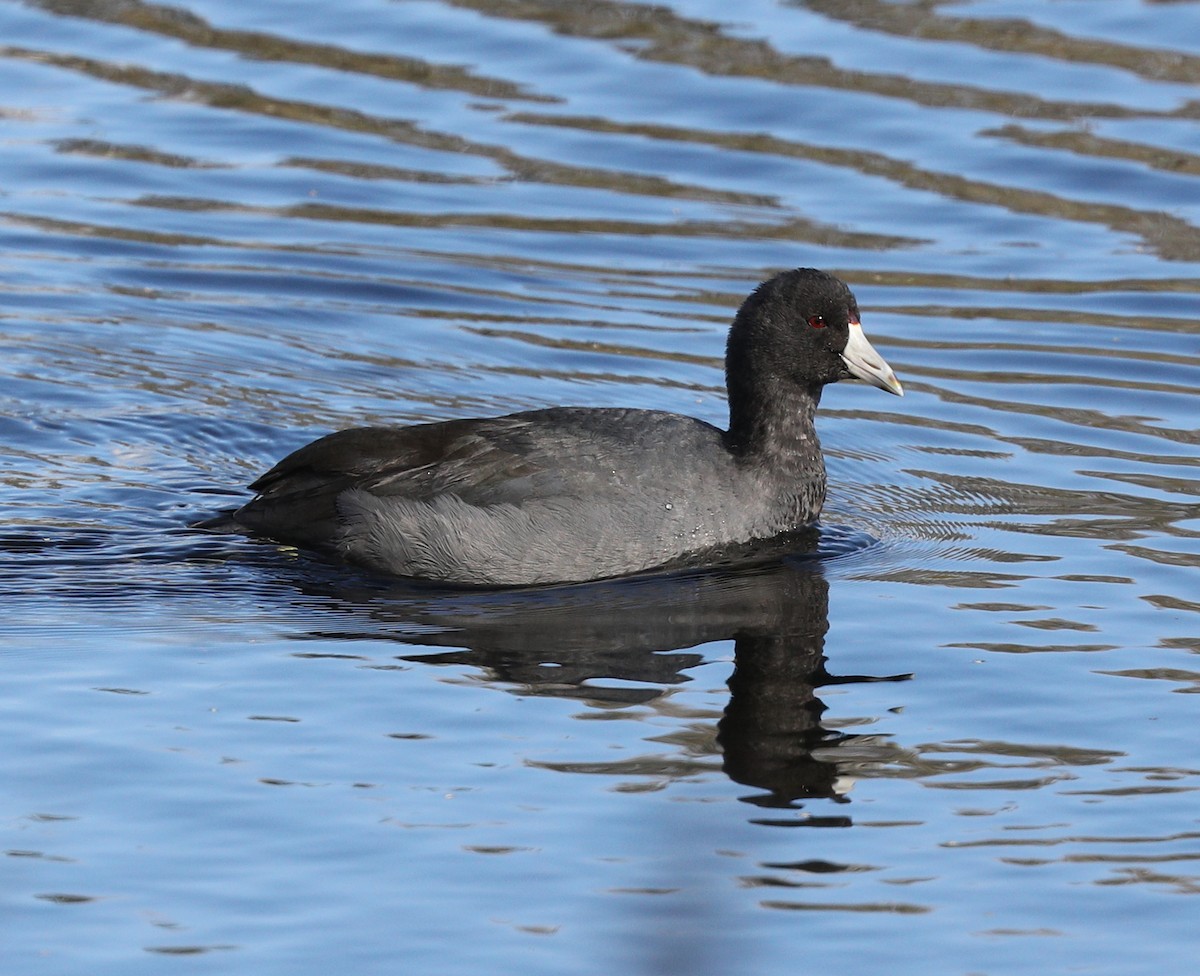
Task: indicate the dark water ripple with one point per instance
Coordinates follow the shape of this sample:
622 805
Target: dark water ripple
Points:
228 228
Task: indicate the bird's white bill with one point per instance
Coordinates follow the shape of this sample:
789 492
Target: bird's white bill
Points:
866 364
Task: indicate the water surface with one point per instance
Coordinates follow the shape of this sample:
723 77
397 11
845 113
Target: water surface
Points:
963 733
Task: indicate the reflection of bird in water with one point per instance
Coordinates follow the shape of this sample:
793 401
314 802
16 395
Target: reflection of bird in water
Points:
565 641
772 722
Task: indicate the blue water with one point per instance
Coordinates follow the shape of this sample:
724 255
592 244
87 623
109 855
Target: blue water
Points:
960 740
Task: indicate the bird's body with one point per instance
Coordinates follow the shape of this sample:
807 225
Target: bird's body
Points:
568 494
500 499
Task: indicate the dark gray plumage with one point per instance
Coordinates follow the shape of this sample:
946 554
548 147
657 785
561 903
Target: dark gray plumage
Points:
577 493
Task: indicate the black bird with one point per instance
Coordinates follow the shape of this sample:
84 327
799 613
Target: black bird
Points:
568 494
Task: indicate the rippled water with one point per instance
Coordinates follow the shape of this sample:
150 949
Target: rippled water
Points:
230 227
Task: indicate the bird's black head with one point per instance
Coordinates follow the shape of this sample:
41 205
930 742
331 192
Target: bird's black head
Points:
795 333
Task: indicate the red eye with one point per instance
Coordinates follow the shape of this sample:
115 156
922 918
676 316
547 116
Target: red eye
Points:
816 321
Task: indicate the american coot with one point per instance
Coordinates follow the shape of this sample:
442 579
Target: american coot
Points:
568 494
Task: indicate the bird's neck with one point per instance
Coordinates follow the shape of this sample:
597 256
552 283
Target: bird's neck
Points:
778 443
776 428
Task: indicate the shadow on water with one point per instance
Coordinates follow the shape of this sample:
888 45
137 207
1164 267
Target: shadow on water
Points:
614 643
569 641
